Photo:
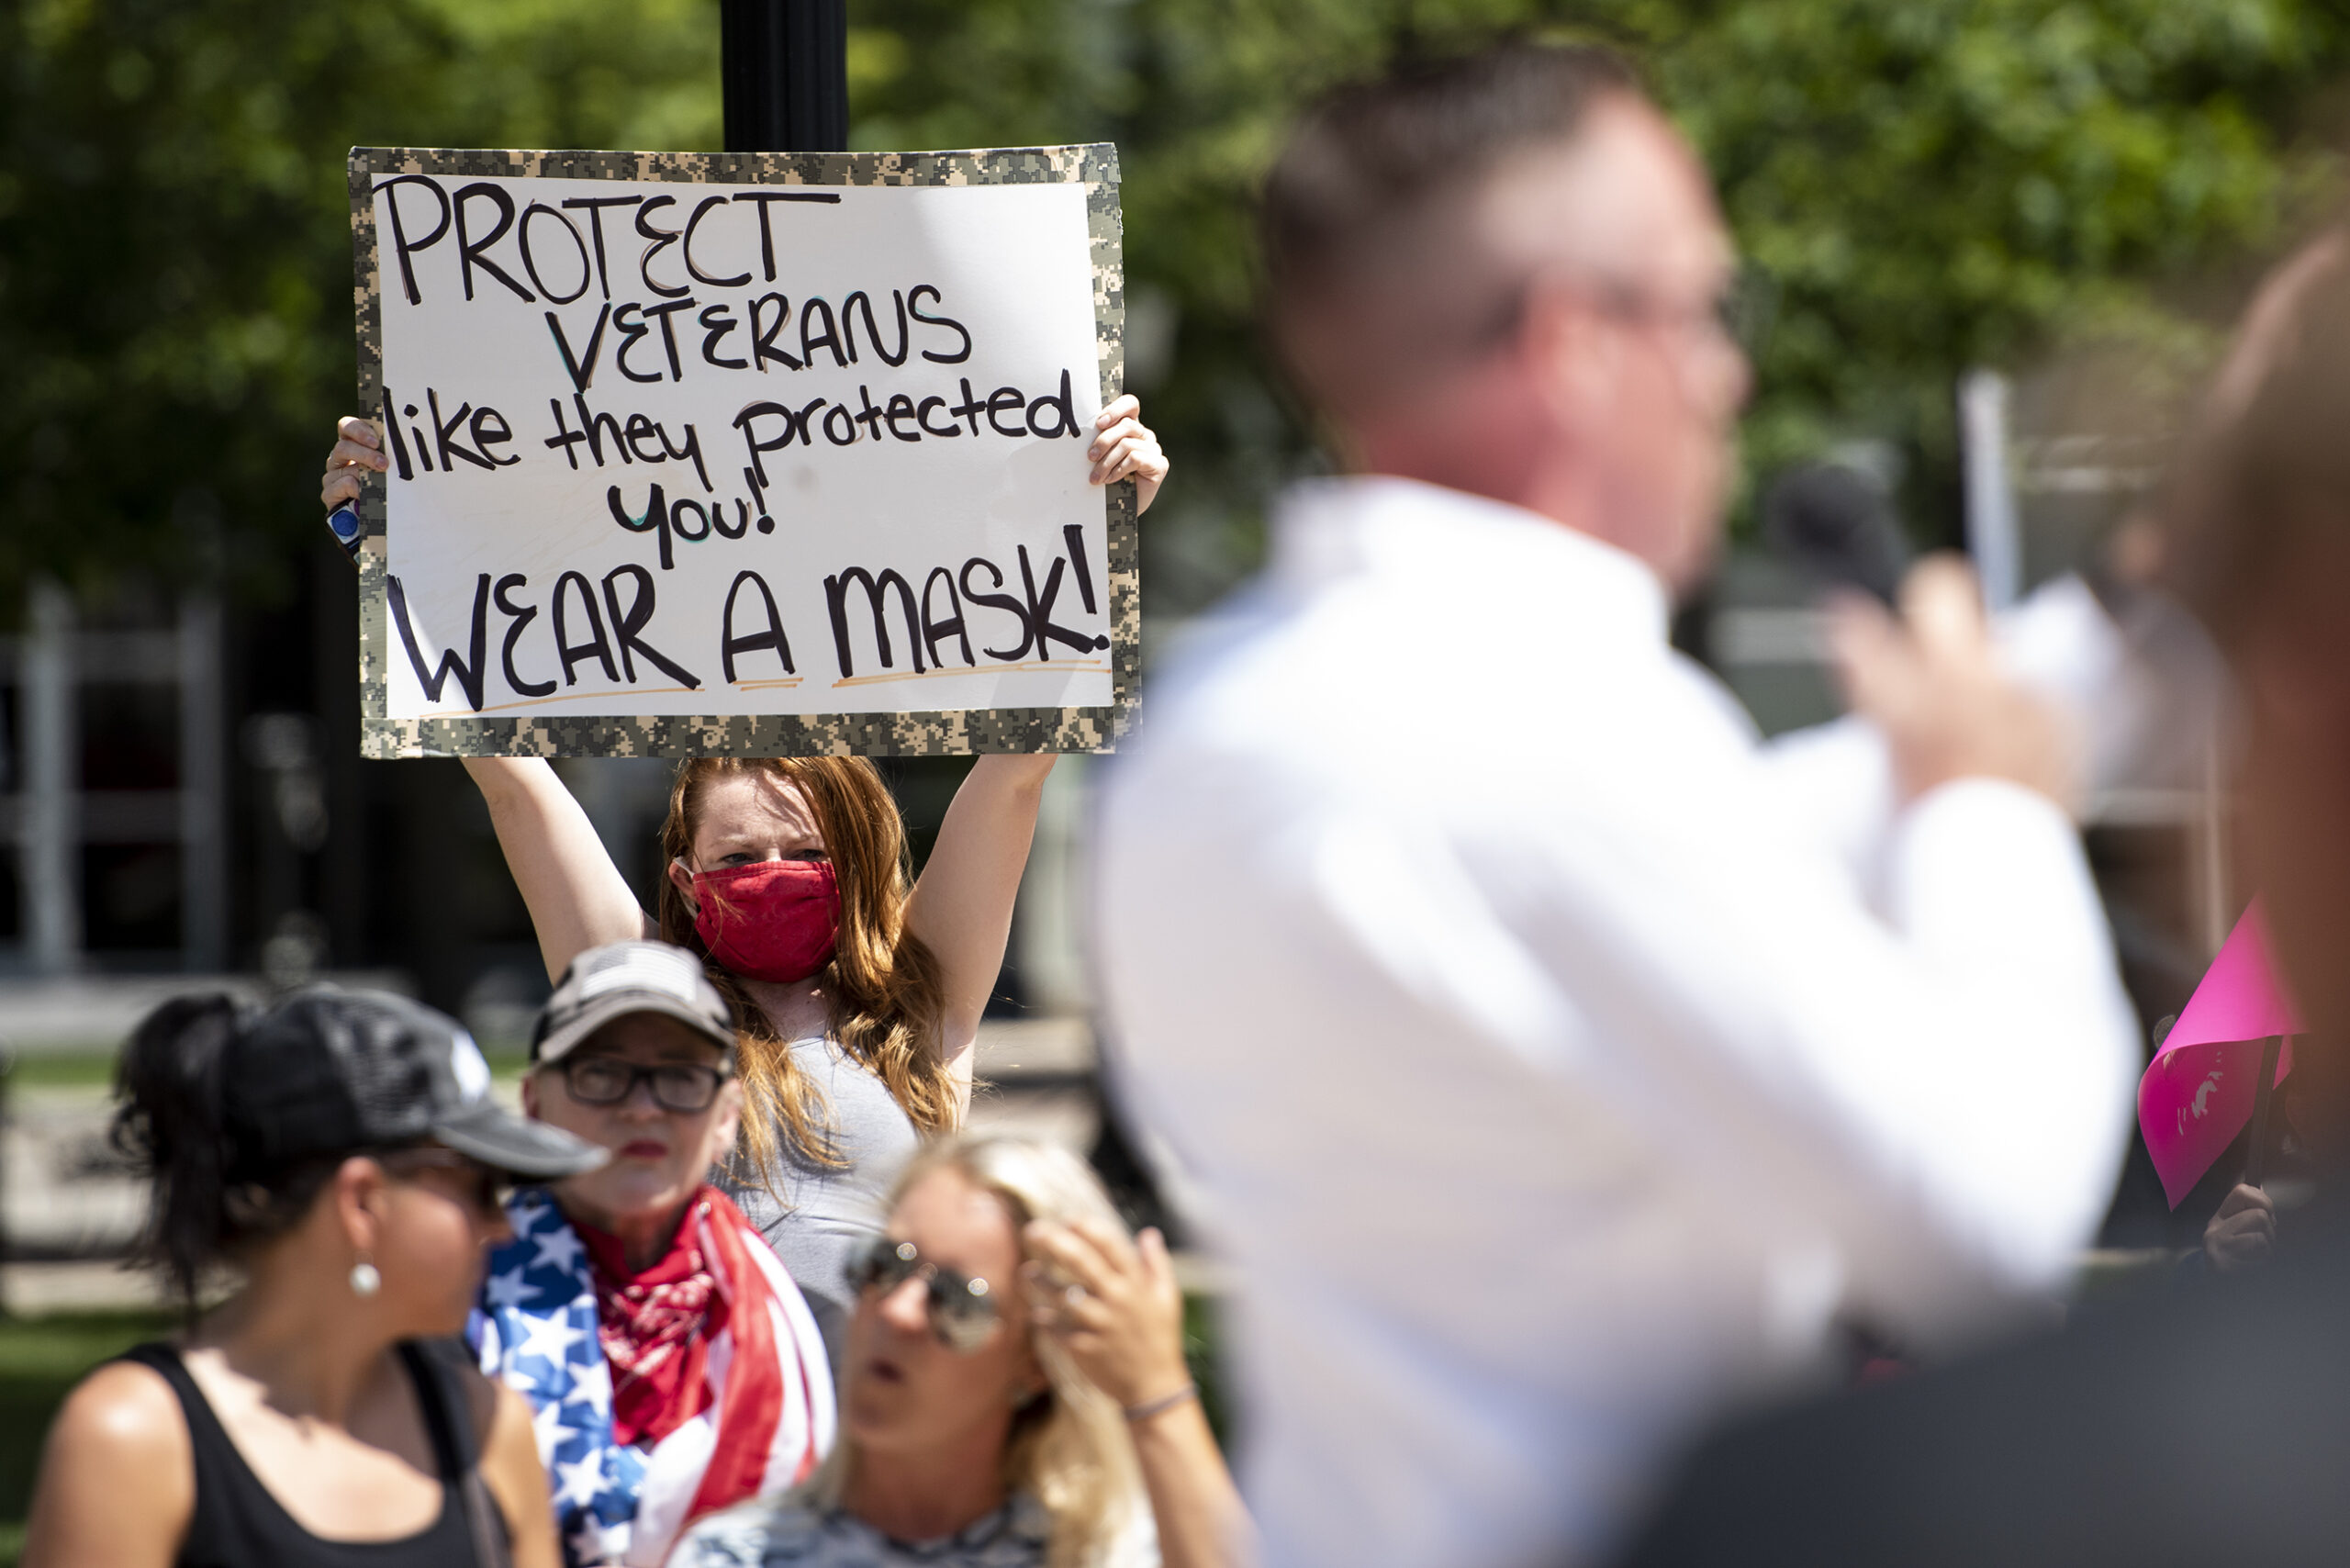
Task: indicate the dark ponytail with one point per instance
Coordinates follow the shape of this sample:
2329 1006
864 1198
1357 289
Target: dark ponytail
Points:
206 1201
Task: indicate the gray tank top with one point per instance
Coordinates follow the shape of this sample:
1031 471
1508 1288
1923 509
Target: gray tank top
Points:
825 1210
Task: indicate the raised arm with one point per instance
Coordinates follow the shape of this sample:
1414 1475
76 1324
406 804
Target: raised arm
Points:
961 907
1123 1325
577 896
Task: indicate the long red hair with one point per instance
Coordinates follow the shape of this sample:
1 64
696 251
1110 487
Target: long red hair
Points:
882 983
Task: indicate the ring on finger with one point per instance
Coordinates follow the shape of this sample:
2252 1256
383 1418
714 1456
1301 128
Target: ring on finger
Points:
1072 1295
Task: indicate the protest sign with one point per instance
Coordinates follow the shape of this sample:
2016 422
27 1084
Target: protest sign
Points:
741 454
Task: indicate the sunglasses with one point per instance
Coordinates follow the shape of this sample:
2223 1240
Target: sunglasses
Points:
606 1081
961 1308
486 1189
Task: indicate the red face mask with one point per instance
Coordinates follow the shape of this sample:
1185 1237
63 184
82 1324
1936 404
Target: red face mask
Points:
774 921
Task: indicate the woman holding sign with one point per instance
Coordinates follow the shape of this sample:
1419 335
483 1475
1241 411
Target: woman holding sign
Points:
856 988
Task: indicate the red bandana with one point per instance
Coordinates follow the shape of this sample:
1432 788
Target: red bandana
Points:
656 1327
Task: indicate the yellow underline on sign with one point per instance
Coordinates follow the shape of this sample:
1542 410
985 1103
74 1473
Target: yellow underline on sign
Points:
571 697
764 684
990 669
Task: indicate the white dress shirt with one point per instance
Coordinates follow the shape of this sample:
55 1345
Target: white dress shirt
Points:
1546 1084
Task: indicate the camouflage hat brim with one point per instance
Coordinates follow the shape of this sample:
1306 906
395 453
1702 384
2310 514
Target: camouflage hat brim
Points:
620 1004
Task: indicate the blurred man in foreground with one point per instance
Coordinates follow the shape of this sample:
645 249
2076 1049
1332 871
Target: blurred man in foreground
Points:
2215 1427
1545 1084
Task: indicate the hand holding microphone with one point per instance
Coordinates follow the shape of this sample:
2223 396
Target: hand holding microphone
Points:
1929 679
1912 646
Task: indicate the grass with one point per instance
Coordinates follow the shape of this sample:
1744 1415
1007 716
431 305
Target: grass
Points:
79 1069
40 1359
1202 1323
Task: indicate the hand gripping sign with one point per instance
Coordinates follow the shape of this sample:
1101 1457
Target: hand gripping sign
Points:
751 454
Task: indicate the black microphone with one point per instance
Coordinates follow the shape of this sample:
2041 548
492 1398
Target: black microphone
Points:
1836 525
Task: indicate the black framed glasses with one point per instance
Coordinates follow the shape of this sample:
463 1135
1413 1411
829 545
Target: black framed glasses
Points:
680 1086
961 1307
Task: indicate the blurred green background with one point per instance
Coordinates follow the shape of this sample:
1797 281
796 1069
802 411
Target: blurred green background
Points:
1928 184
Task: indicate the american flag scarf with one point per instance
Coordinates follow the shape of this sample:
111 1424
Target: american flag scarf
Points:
771 1414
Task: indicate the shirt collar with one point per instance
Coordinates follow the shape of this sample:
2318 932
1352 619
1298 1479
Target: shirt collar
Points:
1452 541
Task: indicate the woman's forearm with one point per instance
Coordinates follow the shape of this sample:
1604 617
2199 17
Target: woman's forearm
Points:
1202 1523
962 906
578 898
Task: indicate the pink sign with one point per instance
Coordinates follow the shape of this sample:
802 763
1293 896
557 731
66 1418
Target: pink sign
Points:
2197 1093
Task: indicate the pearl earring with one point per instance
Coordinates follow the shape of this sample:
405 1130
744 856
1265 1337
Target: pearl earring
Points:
365 1279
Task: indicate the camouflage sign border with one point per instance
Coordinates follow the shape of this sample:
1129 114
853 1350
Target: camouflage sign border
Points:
935 733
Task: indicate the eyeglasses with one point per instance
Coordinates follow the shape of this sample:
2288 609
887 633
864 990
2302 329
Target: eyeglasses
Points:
486 1188
1748 309
961 1308
606 1081
1743 310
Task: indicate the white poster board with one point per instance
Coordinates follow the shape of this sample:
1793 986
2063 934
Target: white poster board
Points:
757 453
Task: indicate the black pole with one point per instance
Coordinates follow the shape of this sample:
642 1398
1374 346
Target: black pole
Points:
784 64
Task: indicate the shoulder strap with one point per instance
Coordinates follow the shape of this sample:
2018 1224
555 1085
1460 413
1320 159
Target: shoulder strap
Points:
440 1392
446 1415
232 1517
162 1358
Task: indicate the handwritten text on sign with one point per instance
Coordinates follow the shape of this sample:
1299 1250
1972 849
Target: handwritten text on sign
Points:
702 449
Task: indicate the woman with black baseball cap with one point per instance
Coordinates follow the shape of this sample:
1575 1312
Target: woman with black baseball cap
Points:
340 1153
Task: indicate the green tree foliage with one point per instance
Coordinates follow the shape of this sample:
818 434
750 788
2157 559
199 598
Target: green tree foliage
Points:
175 313
1927 185
1930 183
1935 184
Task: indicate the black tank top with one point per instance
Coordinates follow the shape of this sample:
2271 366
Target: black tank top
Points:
238 1524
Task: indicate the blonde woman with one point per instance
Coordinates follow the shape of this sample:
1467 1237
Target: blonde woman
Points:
858 988
1015 1394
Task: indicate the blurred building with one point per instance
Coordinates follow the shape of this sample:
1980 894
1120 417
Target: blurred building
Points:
182 795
